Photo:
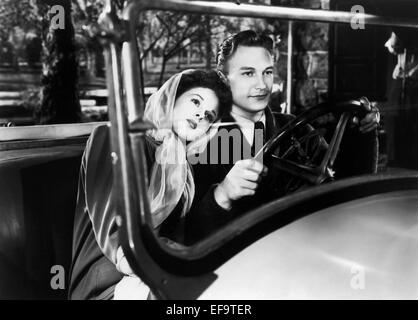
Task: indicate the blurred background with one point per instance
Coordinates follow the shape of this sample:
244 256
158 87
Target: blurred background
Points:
52 75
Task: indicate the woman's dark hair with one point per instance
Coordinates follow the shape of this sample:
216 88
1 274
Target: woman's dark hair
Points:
248 38
210 80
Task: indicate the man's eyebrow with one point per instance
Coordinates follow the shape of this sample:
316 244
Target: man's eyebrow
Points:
252 68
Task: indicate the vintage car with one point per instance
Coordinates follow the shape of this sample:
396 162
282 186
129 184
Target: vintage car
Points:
354 238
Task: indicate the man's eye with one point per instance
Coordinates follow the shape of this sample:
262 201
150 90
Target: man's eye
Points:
248 74
269 72
196 102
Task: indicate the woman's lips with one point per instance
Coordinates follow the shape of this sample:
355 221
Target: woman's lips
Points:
192 123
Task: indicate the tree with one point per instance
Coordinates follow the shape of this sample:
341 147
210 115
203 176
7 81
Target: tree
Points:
59 101
85 16
16 19
169 33
59 94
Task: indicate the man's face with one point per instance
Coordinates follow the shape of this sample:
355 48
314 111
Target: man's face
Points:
250 75
393 44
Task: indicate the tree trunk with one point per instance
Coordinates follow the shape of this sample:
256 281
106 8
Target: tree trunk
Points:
91 63
208 43
60 102
163 64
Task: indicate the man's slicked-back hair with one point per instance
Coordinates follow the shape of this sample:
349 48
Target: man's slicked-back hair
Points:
248 38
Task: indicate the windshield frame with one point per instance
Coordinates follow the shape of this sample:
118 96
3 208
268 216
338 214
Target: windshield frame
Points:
161 267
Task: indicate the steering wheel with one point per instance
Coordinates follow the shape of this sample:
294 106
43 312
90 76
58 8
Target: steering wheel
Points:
295 158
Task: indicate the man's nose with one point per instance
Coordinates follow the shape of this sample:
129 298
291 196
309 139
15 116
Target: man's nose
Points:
261 83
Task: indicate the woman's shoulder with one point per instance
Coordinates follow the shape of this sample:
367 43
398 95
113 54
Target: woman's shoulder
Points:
99 141
98 149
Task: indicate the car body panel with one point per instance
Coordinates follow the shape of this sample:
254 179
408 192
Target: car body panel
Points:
361 249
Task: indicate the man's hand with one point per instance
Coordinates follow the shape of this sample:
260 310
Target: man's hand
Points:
370 121
242 180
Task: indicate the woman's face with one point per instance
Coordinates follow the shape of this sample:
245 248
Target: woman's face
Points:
194 112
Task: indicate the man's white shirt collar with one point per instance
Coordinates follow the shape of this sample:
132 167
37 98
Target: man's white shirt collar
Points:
247 125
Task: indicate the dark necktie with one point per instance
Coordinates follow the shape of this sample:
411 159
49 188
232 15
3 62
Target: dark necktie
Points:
259 137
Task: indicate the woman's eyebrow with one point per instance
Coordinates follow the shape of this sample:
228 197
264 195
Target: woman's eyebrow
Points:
196 94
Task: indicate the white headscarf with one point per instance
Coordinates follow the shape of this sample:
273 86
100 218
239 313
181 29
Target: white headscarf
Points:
171 175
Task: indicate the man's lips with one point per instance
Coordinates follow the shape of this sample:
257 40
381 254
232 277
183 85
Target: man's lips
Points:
192 123
259 96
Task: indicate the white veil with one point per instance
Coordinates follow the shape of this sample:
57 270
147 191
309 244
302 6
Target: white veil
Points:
171 176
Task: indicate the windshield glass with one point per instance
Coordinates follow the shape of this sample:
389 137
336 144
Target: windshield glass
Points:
331 64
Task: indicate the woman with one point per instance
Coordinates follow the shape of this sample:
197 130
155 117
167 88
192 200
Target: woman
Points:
182 110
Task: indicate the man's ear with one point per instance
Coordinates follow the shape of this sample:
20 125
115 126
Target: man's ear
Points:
223 77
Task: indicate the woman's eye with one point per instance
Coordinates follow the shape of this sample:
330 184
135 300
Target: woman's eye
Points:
269 73
196 102
248 74
210 115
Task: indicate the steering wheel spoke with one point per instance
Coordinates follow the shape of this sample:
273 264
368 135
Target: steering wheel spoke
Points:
334 146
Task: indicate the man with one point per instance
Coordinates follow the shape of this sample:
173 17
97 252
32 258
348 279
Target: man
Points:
245 60
402 94
401 123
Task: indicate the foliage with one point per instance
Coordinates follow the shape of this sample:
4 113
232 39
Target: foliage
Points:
85 14
19 27
166 34
22 14
31 99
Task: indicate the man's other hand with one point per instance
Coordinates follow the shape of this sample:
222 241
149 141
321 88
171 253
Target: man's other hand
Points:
370 121
242 180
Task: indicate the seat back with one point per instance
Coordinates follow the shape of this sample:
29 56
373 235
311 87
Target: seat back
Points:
37 202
